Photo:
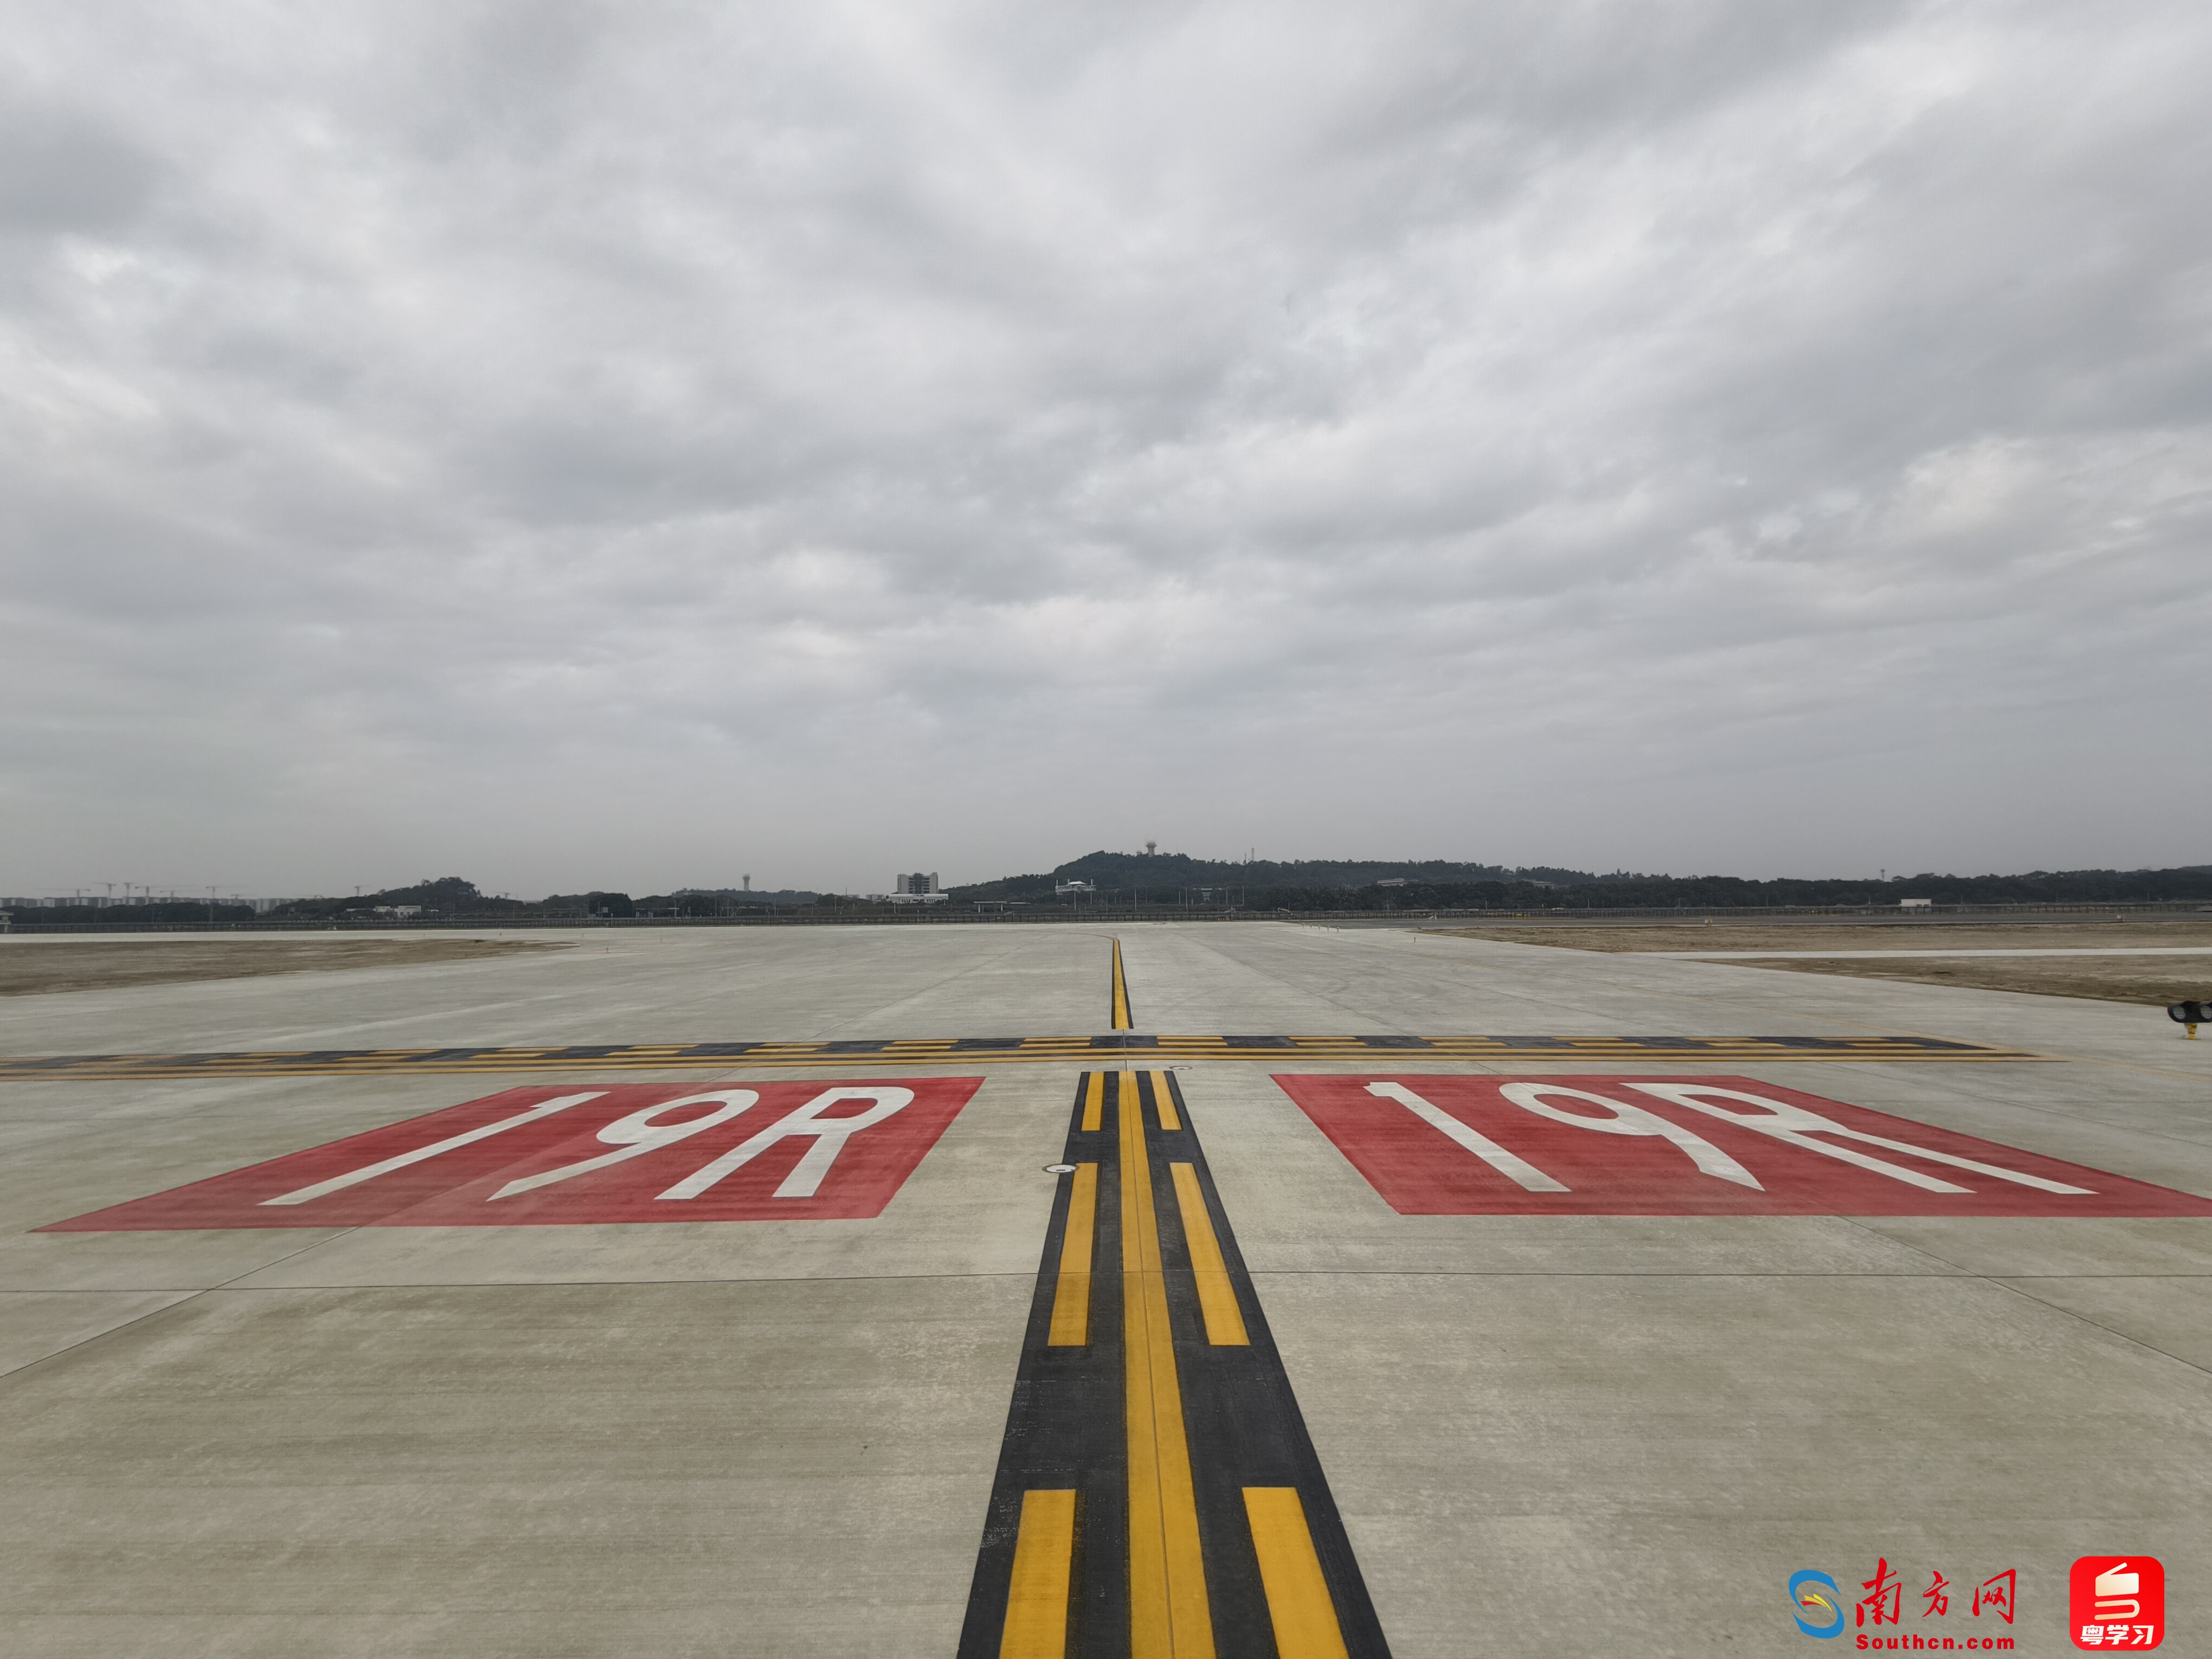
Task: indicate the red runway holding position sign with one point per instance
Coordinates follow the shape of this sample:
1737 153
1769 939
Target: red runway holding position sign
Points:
553 1156
1677 1145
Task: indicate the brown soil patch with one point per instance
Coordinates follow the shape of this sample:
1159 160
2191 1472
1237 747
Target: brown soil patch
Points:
29 967
2093 934
2154 980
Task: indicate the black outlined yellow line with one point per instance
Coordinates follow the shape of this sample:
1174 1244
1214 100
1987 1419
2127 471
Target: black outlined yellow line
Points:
1216 1294
1201 1524
1071 1294
1299 1612
1121 1021
1036 1598
1365 1050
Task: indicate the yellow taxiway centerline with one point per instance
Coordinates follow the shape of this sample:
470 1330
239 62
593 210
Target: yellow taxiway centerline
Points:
1170 1617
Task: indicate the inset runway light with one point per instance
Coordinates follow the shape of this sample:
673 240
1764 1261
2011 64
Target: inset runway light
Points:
1060 1169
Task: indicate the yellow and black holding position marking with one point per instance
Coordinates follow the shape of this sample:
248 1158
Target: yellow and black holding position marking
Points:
1364 1049
1157 1497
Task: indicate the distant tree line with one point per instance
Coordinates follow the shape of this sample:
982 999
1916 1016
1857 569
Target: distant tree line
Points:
1730 892
1319 885
451 895
1121 879
162 912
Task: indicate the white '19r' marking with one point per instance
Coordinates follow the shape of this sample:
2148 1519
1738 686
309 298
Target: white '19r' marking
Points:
638 1134
1630 1120
354 1177
1793 1125
829 1134
1515 1169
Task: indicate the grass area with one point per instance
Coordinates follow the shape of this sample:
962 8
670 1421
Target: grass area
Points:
30 967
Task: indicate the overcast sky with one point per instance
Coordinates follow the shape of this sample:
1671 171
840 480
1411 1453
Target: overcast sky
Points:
631 445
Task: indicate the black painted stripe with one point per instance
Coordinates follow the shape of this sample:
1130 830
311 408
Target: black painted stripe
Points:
1066 1426
922 1051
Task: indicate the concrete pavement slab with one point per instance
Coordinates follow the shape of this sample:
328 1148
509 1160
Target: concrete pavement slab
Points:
35 1325
1548 1435
695 1466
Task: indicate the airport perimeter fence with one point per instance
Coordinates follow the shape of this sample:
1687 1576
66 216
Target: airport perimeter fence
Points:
1097 915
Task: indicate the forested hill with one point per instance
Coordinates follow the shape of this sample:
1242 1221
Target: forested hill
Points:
1176 869
1347 885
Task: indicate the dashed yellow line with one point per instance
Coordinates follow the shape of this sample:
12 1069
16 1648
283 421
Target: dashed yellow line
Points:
1071 1294
1298 1601
1044 1554
1164 1103
1094 1102
1170 1617
1216 1295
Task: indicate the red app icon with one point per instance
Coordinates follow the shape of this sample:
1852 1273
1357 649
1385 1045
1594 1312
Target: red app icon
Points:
2117 1601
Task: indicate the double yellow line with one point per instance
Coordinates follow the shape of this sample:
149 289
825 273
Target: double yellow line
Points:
1170 1615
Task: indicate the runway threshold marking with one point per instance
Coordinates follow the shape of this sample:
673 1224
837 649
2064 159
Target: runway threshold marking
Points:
1618 1144
964 1052
1202 1526
799 1150
1120 1010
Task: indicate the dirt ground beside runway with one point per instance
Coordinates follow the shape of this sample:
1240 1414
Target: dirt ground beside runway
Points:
2155 981
2095 934
2148 980
29 968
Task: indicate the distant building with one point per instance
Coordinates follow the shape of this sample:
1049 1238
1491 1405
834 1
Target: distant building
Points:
1064 888
1391 881
917 889
1916 905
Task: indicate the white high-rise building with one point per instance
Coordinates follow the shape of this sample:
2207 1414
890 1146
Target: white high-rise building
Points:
917 889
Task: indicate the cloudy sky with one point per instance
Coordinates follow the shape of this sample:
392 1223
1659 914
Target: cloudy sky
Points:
627 445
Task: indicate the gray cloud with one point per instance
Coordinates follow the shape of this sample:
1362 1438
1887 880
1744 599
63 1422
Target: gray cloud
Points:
637 444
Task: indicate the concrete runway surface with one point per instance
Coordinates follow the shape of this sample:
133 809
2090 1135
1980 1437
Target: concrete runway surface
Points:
1470 1361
